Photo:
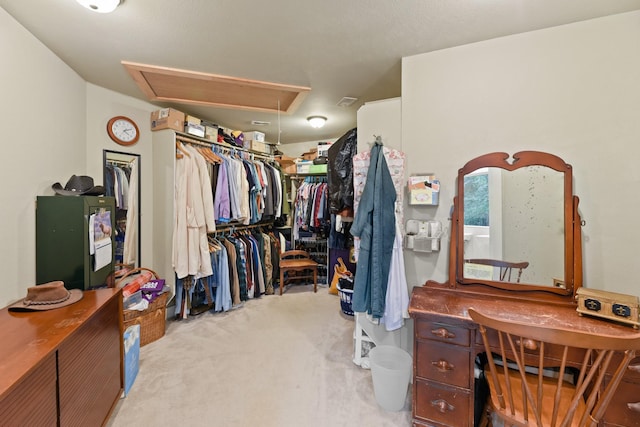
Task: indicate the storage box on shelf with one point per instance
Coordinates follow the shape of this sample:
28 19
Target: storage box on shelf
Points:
303 166
310 155
254 136
256 146
167 118
194 129
288 164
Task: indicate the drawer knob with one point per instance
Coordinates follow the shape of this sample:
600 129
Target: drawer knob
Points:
634 406
443 333
442 405
634 368
528 344
443 365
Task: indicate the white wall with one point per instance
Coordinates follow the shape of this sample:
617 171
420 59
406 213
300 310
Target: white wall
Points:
102 105
53 125
383 119
43 141
572 91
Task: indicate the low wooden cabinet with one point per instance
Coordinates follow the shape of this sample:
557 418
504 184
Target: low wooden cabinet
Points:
446 343
62 367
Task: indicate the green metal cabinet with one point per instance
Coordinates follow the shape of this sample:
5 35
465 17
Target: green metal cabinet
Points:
63 250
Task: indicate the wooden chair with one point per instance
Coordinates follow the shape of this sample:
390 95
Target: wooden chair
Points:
296 260
505 267
532 397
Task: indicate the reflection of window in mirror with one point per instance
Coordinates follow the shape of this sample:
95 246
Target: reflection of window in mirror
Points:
476 198
482 219
122 181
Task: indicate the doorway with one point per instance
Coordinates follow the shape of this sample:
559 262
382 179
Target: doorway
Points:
121 177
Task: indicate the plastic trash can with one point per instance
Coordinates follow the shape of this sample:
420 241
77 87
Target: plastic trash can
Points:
391 373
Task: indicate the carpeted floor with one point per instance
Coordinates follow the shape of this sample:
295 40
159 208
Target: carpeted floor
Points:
277 361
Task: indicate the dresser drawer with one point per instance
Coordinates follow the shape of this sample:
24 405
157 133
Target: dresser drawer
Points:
553 353
633 370
441 404
443 363
624 409
443 332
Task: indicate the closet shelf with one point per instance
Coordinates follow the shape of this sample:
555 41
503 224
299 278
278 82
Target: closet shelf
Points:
192 139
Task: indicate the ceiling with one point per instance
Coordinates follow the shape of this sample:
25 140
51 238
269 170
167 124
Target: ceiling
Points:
337 48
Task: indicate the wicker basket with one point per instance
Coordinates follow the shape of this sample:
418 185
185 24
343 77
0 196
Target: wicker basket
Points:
152 321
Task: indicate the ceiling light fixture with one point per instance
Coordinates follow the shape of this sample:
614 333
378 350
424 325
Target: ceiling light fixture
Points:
316 121
100 6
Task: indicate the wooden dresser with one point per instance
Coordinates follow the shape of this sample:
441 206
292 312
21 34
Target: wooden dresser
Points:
62 367
446 342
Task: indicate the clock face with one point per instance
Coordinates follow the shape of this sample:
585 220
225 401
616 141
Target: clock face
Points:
123 130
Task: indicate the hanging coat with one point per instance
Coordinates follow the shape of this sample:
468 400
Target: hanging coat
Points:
340 171
375 225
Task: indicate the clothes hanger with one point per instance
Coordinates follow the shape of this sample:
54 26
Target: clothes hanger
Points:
182 150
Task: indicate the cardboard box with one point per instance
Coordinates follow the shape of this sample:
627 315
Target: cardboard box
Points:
254 136
211 133
287 164
167 118
257 146
310 155
131 356
192 119
194 129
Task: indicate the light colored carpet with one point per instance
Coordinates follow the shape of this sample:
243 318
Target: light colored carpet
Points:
278 361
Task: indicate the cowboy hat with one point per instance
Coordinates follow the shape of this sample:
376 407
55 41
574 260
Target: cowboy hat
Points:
47 297
79 186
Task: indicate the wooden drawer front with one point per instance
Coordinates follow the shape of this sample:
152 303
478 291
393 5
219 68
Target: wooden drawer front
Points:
89 369
33 401
553 353
444 363
443 332
633 370
445 405
624 409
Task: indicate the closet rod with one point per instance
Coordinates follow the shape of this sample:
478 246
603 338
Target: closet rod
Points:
206 143
239 227
118 162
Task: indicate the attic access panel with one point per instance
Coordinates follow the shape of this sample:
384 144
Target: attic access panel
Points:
191 87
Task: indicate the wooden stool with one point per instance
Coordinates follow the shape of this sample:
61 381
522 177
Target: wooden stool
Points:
298 261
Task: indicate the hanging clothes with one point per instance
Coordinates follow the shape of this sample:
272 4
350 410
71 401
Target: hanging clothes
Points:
130 250
340 172
190 245
375 225
396 307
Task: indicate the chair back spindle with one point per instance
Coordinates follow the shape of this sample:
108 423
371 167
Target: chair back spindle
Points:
529 378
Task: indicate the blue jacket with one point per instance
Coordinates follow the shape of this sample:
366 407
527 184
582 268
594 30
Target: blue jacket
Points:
375 225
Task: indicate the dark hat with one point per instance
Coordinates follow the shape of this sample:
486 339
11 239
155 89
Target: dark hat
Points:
79 186
47 297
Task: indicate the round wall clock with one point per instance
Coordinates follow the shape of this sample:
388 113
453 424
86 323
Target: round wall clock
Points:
123 130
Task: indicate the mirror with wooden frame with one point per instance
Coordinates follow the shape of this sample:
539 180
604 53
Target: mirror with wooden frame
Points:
515 227
122 181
